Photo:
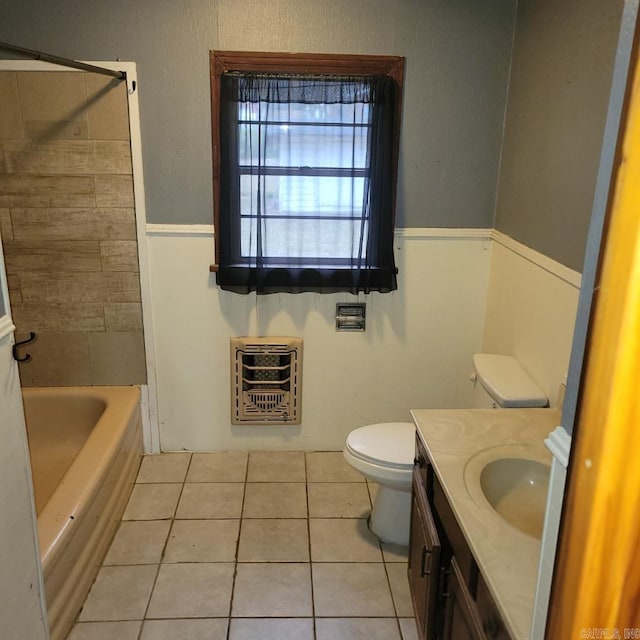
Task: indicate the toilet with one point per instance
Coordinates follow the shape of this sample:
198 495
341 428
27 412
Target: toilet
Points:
384 452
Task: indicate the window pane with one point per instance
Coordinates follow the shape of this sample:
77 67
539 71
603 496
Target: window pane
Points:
309 113
338 239
309 196
303 145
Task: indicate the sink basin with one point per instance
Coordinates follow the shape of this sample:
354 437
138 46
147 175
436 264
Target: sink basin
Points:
516 488
513 482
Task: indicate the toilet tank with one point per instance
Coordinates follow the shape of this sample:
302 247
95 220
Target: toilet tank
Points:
500 382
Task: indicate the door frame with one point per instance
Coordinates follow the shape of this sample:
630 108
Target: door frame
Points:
6 323
597 573
12 417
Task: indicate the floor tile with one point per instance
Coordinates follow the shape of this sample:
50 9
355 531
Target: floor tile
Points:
357 629
138 542
400 589
211 500
343 540
218 466
338 500
164 467
226 555
395 552
408 629
275 500
272 590
271 629
202 541
330 466
351 589
198 629
152 502
105 630
276 466
119 593
201 590
274 540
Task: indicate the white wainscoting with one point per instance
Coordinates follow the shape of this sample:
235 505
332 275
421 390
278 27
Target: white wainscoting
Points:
460 291
416 351
531 310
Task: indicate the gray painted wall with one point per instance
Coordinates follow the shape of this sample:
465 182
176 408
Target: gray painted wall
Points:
599 214
458 54
559 91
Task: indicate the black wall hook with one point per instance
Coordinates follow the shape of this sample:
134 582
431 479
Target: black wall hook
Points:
14 349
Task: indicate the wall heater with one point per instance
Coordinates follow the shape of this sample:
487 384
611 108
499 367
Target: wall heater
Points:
266 380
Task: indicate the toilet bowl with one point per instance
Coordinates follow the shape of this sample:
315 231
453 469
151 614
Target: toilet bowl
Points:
383 453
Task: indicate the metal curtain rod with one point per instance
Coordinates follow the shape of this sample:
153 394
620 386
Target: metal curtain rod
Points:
65 62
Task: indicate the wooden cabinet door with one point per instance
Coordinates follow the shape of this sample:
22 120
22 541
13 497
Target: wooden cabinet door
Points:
424 560
461 619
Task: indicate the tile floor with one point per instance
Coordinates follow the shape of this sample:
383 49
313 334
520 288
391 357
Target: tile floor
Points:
239 546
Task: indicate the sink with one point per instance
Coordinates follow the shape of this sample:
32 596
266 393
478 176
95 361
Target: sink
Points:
516 488
511 482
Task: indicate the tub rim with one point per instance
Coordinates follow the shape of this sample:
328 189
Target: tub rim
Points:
82 480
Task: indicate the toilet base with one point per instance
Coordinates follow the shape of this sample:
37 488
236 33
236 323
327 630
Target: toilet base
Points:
391 516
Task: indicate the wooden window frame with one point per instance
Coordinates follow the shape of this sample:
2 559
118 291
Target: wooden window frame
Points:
303 63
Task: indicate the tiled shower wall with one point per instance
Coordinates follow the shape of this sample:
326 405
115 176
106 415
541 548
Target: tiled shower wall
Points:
67 221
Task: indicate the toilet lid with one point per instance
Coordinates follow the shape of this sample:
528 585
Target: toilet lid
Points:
389 443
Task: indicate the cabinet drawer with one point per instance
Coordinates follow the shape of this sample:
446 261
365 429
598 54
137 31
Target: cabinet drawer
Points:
457 541
490 619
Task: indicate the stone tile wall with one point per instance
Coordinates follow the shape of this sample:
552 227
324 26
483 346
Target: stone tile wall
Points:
67 222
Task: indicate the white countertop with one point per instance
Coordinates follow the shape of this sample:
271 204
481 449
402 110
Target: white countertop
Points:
507 558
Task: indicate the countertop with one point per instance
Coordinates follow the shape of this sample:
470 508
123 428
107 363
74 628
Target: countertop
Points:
507 558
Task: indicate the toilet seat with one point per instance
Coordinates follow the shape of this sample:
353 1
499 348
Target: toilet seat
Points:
387 444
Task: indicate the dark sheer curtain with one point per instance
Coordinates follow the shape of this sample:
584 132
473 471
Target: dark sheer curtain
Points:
306 183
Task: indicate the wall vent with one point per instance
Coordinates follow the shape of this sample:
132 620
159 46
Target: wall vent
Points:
266 380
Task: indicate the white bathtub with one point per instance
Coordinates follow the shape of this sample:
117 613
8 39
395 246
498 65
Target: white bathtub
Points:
85 445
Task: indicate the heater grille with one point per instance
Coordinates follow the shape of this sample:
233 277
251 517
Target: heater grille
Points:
266 380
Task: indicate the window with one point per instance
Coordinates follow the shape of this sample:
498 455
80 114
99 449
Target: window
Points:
305 152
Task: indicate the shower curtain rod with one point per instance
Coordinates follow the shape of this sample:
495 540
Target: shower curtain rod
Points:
65 62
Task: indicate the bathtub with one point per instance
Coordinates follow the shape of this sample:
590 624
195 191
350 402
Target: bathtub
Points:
85 445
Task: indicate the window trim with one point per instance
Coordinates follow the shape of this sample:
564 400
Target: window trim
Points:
310 63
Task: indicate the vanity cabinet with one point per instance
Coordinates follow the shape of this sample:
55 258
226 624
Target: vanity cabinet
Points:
450 598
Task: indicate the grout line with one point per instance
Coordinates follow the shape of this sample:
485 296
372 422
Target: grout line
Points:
162 552
186 473
235 567
313 599
175 510
164 546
